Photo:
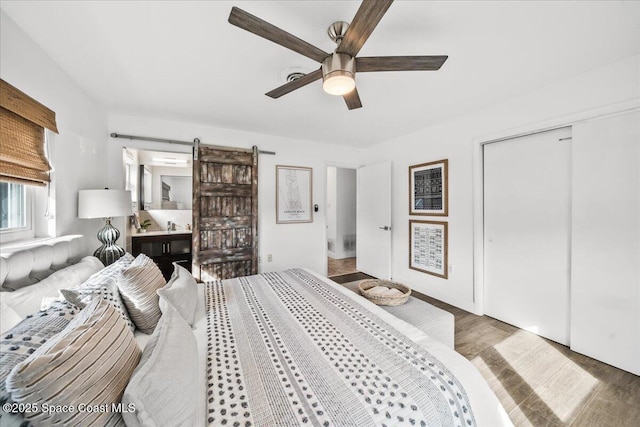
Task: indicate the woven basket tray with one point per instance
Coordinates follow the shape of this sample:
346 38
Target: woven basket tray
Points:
391 300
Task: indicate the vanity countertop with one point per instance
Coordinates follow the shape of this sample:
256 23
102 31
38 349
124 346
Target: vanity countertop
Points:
161 233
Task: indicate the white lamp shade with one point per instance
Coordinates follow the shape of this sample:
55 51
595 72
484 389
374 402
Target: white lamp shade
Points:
104 203
339 83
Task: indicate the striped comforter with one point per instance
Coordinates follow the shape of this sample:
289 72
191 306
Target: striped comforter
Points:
287 349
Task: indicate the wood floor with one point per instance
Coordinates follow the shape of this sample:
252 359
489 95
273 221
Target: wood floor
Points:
338 267
540 382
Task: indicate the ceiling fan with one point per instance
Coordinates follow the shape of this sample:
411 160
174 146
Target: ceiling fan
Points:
338 70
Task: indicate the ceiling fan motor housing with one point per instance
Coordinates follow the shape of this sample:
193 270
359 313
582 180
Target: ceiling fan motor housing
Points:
339 66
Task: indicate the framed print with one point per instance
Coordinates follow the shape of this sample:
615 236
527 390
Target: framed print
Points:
293 194
428 249
429 188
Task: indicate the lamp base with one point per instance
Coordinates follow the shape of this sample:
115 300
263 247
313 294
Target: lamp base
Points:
109 252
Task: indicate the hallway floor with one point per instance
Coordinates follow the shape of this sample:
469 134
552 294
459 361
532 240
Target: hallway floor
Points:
338 267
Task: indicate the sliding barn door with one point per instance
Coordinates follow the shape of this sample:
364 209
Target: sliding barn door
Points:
225 212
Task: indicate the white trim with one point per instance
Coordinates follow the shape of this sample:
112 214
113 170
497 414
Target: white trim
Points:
39 241
478 177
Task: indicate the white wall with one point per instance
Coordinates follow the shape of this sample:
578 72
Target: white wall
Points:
605 235
159 218
614 86
291 245
78 150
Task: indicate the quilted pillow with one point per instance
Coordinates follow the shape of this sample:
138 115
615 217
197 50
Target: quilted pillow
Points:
182 292
89 362
138 286
104 284
163 386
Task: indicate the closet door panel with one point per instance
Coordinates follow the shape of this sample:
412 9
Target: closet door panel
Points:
605 270
527 195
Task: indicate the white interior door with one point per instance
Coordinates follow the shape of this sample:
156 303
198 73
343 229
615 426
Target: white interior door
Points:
373 244
526 232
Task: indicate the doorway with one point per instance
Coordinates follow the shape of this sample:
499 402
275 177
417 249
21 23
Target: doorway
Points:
341 221
160 185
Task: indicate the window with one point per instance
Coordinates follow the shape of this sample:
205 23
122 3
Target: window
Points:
14 214
24 165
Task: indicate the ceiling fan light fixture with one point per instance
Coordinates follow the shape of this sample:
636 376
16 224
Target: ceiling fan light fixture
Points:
338 74
338 83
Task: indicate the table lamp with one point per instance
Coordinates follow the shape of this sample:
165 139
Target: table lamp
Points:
105 204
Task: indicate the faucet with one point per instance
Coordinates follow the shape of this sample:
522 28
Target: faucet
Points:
169 225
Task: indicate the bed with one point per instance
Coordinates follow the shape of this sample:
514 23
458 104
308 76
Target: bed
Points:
285 349
311 352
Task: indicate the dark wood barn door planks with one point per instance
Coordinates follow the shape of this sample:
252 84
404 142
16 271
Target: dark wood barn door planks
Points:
225 212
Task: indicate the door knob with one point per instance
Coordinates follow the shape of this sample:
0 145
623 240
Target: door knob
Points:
385 228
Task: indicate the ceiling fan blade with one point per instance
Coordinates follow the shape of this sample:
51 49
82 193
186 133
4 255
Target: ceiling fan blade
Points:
363 24
399 63
353 99
296 84
257 26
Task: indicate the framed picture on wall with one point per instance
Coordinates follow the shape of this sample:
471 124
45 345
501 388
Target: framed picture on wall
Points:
428 247
429 188
293 194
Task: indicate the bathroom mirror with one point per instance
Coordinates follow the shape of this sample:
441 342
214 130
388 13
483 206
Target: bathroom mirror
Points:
164 179
176 192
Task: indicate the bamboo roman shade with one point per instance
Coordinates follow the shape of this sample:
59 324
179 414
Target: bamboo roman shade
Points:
23 119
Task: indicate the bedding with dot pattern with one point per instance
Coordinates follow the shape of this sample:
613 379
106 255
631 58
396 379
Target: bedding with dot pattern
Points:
288 349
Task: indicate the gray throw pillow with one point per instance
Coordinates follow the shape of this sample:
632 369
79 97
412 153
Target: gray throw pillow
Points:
104 284
138 286
89 363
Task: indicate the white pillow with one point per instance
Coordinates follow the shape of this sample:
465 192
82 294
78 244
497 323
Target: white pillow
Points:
28 300
181 292
164 387
8 317
89 362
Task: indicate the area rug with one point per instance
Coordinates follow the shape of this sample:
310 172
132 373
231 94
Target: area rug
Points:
351 277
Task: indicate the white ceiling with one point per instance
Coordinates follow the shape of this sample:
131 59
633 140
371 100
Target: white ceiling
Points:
182 60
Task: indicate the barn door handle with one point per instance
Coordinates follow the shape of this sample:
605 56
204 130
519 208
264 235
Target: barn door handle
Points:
385 228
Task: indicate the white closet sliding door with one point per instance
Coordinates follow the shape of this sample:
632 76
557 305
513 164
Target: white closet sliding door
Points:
527 214
605 274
